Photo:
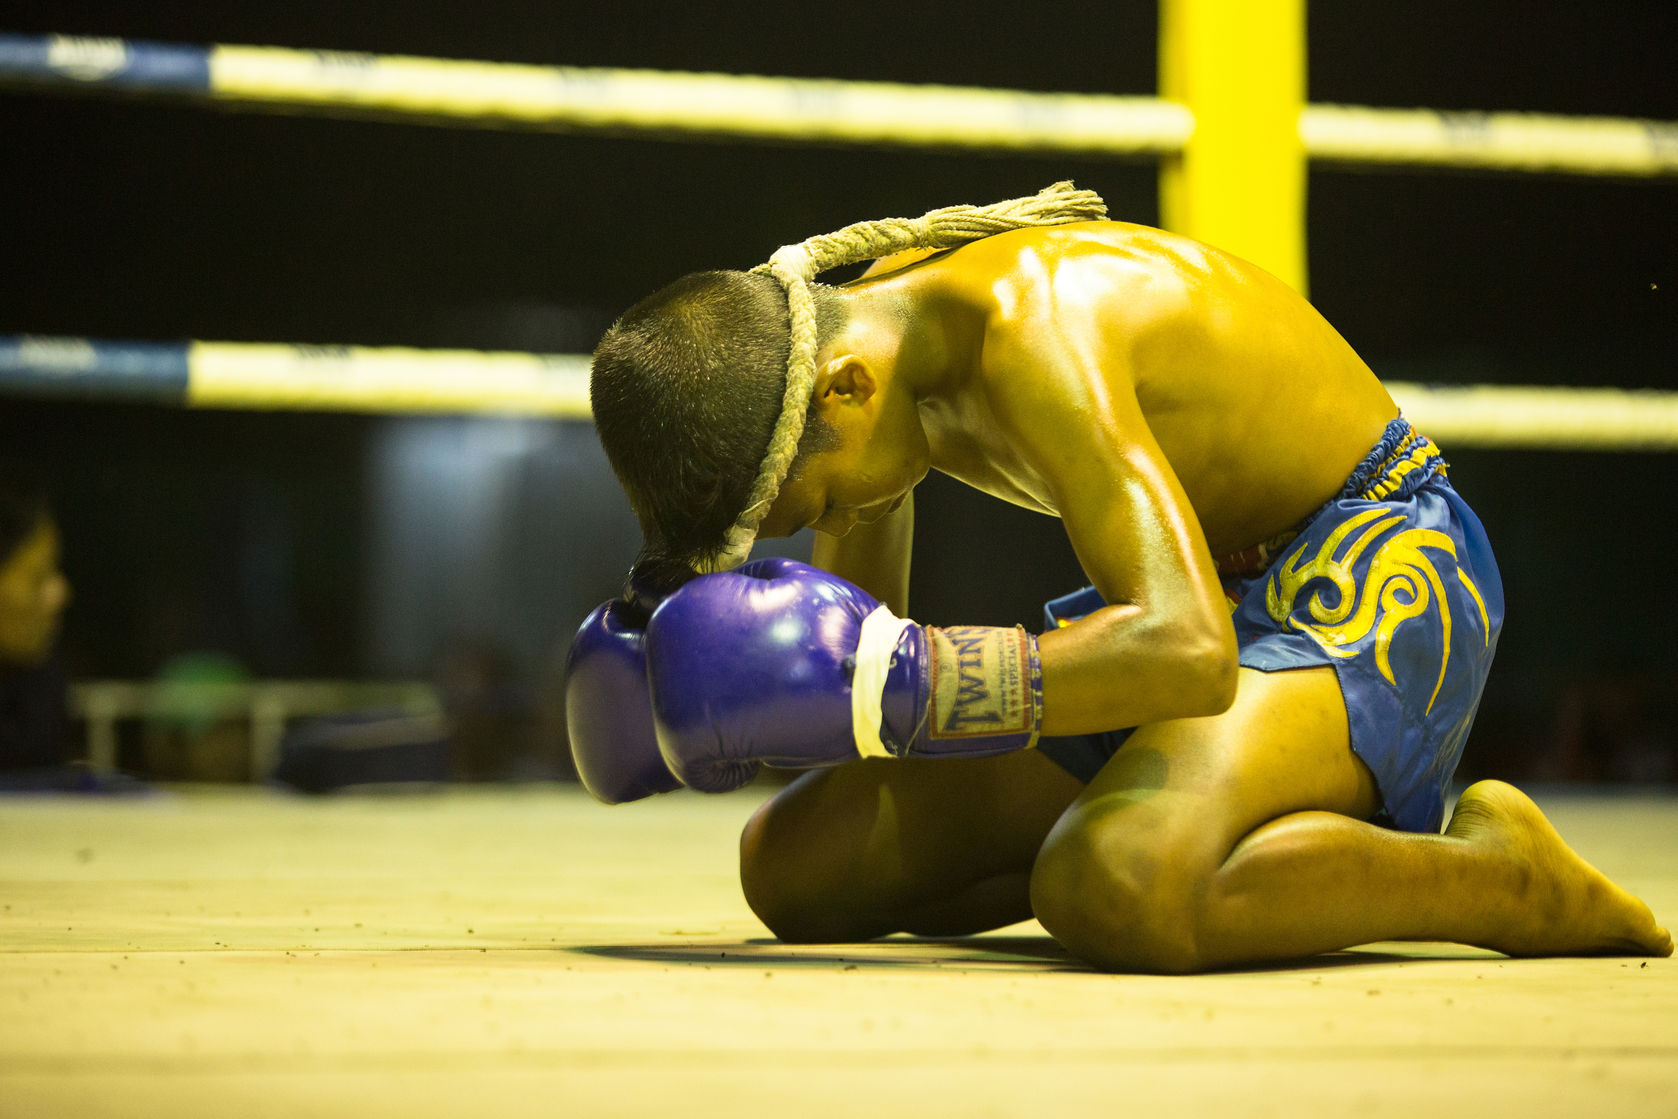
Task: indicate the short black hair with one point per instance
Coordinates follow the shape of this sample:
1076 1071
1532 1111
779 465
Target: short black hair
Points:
686 388
23 506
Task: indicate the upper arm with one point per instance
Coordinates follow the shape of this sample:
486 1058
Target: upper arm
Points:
1070 410
875 556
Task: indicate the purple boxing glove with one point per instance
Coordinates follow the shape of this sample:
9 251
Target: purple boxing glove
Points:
607 712
779 662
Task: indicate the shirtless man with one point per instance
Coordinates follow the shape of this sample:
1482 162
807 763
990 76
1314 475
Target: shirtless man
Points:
1298 704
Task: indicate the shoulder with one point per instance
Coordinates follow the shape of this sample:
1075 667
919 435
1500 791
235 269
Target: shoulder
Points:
896 261
1092 277
1080 305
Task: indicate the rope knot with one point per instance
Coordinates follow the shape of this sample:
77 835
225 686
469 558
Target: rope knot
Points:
790 261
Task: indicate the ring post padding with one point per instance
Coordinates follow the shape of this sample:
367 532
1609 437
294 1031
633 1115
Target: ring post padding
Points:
1239 182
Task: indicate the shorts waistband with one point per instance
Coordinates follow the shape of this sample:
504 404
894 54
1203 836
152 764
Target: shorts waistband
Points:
1401 460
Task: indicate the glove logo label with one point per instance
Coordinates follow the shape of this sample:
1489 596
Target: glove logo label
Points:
981 682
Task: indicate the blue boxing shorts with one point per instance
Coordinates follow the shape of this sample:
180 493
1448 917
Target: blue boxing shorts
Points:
1392 584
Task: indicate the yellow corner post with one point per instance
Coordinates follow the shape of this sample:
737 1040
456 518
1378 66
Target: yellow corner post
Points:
1239 184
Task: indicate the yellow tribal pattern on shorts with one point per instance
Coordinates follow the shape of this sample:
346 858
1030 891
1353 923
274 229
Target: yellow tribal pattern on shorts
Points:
1395 583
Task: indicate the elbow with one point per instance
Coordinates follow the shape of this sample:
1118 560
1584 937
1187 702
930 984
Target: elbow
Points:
1219 676
1209 670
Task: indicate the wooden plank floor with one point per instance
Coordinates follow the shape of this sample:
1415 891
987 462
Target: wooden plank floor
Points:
527 952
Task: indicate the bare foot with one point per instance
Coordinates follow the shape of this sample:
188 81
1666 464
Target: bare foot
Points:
1568 907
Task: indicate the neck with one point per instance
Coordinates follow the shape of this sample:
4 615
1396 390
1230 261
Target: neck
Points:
911 326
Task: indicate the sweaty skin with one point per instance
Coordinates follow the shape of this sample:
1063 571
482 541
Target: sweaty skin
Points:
1169 403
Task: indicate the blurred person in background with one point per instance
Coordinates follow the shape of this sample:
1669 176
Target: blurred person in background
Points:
33 595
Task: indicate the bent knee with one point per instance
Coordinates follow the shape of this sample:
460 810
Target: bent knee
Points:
1120 906
789 880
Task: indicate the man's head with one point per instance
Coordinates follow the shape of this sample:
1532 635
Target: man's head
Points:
700 391
686 389
33 591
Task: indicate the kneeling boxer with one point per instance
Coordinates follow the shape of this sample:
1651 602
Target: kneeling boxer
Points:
1235 746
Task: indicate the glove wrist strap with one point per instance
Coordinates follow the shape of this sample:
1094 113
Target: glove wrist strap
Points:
876 645
985 691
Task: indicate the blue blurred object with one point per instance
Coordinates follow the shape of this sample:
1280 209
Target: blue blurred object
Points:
366 748
70 779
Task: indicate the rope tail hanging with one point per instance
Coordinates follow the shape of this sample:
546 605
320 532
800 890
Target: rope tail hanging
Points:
796 265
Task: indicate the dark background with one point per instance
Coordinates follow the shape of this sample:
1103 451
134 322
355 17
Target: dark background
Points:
355 546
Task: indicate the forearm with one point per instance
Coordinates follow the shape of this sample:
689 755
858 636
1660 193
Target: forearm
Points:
1124 667
875 557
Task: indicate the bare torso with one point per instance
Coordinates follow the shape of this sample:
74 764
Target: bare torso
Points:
1256 402
1169 403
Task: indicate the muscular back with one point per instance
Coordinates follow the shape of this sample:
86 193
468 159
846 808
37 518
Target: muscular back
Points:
1257 404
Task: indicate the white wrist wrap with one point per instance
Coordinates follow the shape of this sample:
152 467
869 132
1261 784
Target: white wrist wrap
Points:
875 647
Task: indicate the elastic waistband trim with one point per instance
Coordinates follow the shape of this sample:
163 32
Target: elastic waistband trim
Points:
1401 460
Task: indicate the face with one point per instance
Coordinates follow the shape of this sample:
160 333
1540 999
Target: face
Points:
33 595
881 455
834 493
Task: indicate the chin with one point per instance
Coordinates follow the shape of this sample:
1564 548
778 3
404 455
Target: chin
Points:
880 510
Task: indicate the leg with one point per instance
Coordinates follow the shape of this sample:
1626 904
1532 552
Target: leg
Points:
1238 838
940 847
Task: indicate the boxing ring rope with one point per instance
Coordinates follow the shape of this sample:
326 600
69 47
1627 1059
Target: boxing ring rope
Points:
265 376
484 94
480 94
388 379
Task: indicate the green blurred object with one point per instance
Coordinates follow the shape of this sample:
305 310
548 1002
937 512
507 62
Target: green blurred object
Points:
194 691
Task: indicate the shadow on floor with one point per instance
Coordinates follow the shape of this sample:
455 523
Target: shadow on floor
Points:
1032 953
988 953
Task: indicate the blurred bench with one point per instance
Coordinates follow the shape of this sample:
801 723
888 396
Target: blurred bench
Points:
267 704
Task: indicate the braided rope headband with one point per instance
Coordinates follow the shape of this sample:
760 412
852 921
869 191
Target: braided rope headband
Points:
796 265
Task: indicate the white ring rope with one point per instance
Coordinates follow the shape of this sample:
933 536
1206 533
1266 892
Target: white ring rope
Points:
306 378
809 110
1511 416
208 374
393 380
1501 141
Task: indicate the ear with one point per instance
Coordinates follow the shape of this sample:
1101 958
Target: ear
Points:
845 379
